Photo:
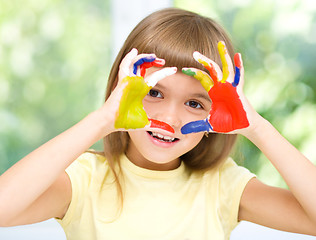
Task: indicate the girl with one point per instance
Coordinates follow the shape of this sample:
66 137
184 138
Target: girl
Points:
160 176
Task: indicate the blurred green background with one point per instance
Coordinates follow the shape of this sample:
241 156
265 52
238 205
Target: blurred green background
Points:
55 57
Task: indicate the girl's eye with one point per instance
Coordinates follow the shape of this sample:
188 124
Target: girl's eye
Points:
193 104
154 93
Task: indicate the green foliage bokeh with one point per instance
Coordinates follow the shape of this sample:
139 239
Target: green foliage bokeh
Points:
54 60
55 57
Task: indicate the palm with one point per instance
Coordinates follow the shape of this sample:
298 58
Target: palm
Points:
134 87
227 113
131 114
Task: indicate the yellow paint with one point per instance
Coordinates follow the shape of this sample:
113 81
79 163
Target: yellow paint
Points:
205 80
205 64
131 114
222 53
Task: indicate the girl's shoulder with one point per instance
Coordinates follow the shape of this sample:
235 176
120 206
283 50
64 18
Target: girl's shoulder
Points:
230 171
225 177
90 158
89 165
228 168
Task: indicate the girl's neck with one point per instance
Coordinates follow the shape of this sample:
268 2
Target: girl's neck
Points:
136 158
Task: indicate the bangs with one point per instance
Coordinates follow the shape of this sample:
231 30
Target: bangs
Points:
176 47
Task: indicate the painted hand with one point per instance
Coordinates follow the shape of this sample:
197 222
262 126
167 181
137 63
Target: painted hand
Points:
225 90
131 113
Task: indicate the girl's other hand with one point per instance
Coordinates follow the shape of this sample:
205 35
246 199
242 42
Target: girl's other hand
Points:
230 110
124 106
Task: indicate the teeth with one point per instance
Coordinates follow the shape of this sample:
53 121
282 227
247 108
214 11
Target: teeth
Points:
162 137
168 138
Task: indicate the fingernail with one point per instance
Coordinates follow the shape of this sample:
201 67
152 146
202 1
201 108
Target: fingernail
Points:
237 60
134 50
172 70
196 55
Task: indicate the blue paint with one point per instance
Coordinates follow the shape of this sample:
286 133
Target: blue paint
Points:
237 77
197 126
142 61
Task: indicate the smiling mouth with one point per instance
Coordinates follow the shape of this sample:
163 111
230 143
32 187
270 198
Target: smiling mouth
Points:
163 138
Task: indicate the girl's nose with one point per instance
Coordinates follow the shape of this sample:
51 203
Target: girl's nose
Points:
170 115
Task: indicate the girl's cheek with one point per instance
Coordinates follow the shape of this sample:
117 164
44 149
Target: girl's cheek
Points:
149 107
194 114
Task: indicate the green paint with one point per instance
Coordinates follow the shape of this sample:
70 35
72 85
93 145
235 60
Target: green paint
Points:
189 72
131 114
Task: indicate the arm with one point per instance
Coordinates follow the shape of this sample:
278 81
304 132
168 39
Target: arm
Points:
231 112
37 188
42 173
292 210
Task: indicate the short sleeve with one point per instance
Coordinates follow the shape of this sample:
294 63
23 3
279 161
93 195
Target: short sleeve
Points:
232 182
81 173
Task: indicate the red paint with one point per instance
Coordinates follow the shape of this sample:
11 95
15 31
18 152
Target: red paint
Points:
145 65
162 125
212 72
237 60
227 113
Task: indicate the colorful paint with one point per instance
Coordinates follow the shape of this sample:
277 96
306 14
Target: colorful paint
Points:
227 112
237 60
146 62
204 79
162 125
131 113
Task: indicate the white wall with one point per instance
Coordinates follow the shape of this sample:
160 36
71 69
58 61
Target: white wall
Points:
126 14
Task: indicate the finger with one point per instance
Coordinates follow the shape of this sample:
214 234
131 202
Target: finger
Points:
197 126
205 80
153 78
227 64
159 124
157 63
239 71
143 61
214 70
126 63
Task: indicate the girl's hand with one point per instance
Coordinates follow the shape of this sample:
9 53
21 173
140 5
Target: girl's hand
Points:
230 109
125 102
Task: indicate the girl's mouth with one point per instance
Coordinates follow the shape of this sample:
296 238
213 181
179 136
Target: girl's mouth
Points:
162 138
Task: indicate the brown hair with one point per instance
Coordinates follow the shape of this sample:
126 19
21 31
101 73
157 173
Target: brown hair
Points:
174 34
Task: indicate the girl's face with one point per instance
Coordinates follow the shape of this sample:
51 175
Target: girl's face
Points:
176 100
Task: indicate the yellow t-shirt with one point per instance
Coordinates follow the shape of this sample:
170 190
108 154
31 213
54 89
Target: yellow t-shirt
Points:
162 205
